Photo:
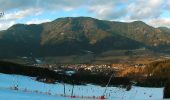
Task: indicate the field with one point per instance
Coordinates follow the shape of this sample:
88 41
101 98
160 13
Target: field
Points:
109 57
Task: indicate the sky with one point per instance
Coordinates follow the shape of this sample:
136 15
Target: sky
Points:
152 12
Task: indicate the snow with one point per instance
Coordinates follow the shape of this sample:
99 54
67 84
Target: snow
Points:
38 61
6 94
29 89
70 72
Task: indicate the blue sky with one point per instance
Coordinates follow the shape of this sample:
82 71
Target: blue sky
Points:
153 12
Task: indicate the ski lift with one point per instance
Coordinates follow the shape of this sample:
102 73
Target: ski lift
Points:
103 96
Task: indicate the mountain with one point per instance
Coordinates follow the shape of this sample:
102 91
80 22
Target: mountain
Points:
80 35
164 29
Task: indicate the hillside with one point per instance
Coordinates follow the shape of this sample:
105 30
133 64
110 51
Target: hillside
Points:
80 36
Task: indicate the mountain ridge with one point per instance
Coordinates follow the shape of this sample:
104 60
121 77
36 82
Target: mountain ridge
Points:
72 35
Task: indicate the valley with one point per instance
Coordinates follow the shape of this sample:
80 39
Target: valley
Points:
85 49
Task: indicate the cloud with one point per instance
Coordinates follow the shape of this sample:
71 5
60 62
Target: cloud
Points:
21 14
38 21
142 9
17 4
55 4
11 18
160 22
168 5
6 24
108 10
45 4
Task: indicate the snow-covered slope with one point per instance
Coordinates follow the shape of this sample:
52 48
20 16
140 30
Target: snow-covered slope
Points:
6 94
29 89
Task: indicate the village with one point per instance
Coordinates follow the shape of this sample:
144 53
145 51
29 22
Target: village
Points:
91 68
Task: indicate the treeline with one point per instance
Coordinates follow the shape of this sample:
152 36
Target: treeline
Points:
50 76
158 73
13 68
155 74
159 69
167 90
98 79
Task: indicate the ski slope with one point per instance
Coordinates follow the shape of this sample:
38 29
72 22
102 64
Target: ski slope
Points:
29 89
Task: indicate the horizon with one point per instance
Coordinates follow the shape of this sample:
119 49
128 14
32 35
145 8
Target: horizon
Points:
153 12
83 17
